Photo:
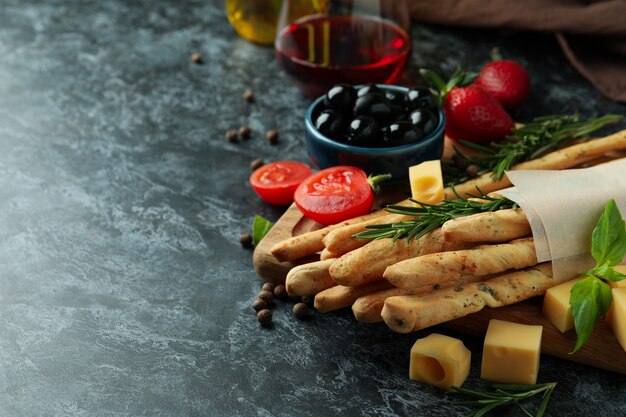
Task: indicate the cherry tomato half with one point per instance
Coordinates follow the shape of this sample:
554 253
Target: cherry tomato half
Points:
277 181
334 195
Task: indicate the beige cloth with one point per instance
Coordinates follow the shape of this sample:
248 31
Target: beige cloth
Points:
592 33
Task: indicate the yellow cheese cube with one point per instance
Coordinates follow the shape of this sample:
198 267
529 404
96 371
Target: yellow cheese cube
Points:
617 315
440 360
622 283
556 305
511 352
426 182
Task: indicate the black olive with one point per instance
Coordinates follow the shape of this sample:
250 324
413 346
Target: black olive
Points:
375 105
330 123
424 119
369 88
419 98
396 99
340 97
363 131
401 133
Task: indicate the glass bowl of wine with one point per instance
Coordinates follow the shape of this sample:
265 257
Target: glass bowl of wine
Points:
321 43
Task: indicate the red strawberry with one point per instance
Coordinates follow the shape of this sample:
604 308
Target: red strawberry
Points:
506 80
472 114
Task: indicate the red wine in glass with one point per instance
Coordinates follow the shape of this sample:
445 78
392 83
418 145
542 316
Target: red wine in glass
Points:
320 51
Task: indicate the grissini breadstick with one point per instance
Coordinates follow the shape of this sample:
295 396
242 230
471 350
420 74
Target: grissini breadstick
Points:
438 268
340 241
326 254
493 226
367 309
309 279
405 314
561 159
297 247
339 296
367 264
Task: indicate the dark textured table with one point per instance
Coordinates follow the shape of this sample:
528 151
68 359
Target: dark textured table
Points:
124 289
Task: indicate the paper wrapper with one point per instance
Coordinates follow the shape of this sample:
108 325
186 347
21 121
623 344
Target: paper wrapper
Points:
563 207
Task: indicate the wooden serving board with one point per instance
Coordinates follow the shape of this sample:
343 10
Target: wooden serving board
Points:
602 350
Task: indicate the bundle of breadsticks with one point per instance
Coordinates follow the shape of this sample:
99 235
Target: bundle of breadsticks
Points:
484 259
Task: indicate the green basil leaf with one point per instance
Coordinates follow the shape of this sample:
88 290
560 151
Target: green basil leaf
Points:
604 271
617 276
590 299
608 240
260 227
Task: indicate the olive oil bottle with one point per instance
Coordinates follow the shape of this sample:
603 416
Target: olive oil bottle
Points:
254 20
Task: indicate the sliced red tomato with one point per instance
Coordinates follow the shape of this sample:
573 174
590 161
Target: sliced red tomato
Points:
277 181
334 195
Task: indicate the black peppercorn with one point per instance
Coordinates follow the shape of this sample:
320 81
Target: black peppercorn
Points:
258 305
300 310
246 240
231 136
280 292
471 171
248 96
197 58
266 296
268 286
244 132
264 317
272 136
256 164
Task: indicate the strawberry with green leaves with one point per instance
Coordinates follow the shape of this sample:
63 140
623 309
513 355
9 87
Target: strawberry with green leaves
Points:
472 114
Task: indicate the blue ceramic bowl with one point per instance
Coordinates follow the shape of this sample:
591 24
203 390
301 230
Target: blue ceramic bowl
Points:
325 152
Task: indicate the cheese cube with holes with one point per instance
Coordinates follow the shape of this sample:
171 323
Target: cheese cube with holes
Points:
511 352
426 182
440 360
556 305
617 315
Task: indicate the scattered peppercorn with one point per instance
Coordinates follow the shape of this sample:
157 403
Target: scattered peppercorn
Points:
264 317
248 96
307 299
231 136
301 311
259 304
280 292
471 171
197 58
459 161
266 296
246 240
244 132
256 164
272 136
268 286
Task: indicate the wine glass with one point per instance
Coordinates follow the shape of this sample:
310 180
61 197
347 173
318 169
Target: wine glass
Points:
320 43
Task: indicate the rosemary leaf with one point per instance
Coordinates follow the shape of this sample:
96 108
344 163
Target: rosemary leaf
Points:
431 216
542 135
504 395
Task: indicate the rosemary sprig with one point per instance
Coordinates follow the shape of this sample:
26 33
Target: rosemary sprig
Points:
543 134
431 216
504 395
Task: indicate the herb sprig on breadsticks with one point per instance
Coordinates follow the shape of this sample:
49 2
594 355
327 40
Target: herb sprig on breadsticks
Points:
542 135
430 216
